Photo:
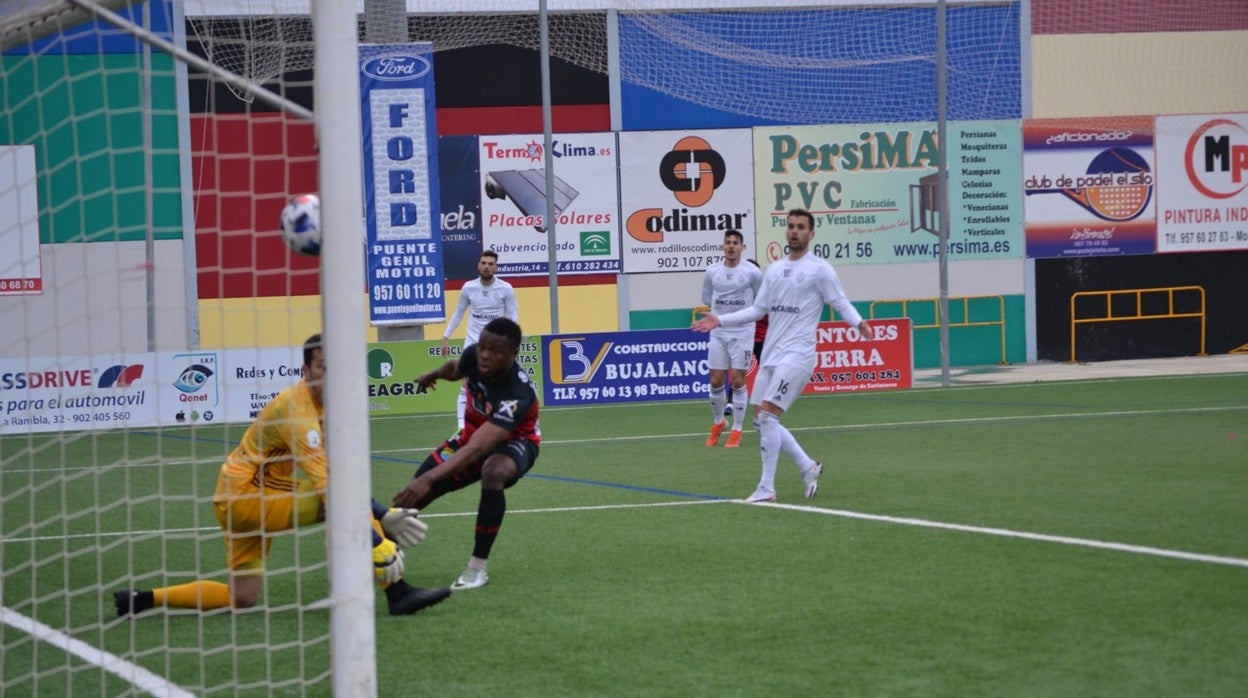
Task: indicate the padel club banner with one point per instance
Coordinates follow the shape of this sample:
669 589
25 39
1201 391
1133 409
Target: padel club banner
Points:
1090 186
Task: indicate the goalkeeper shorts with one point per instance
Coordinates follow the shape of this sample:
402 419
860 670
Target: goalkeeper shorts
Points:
249 520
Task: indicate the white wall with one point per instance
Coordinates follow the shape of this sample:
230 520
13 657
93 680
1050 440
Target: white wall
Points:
864 282
95 301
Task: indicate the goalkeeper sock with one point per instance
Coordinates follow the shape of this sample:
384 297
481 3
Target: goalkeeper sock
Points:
490 513
201 594
717 404
461 405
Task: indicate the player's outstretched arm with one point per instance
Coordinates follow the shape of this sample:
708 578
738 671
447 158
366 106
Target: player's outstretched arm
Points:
706 323
400 525
448 371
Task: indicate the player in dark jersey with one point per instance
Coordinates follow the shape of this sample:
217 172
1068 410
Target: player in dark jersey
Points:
497 445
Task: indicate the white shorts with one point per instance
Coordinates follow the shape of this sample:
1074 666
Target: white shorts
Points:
779 385
730 352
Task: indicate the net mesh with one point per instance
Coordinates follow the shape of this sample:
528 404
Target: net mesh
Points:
107 467
774 65
125 243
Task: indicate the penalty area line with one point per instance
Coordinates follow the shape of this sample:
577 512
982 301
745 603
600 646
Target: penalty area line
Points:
1009 533
135 674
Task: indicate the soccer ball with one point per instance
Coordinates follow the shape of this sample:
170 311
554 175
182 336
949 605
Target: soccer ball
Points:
301 224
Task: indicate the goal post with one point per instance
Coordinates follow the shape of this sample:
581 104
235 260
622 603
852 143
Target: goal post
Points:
107 470
338 133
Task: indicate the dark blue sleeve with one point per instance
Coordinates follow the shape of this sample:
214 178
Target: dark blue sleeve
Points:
379 510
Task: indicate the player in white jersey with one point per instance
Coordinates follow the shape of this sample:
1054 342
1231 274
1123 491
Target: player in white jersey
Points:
483 299
728 286
793 294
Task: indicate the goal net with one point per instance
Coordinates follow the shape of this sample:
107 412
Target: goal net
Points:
151 310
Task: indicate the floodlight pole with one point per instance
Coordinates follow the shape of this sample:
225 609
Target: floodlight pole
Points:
942 188
552 257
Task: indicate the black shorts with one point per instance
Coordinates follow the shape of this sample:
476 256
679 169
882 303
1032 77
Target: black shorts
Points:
521 451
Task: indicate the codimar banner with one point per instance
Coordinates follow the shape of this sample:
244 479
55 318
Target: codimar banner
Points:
680 191
873 190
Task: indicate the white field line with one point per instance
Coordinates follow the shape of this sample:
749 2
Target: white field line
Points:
923 523
138 676
915 423
1007 533
158 686
826 427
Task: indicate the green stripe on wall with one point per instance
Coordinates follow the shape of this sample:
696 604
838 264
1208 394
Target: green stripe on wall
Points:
84 116
968 345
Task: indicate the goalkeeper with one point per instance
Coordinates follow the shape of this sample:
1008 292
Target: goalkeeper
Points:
258 496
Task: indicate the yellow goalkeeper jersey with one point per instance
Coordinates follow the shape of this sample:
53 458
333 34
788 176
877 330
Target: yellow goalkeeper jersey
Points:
287 434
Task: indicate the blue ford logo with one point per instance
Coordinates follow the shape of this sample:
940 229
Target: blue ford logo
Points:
396 67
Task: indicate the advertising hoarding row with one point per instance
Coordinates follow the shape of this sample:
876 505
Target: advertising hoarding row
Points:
1036 188
213 387
1136 185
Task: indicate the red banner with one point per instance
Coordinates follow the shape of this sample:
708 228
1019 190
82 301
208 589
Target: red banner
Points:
849 362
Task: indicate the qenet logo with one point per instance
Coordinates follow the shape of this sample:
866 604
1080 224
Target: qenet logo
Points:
692 171
1216 158
193 378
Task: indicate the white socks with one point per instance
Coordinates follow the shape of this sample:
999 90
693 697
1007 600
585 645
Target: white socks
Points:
774 439
717 405
739 399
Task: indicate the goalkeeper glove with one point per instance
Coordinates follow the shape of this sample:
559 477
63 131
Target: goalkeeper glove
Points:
387 562
402 527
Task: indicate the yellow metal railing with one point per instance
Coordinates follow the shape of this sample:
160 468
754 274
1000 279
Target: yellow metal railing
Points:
1138 313
966 313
